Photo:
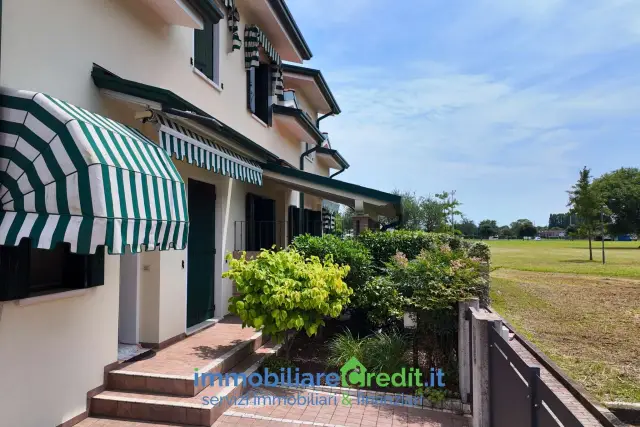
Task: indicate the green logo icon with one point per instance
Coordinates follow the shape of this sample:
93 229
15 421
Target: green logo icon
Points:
353 373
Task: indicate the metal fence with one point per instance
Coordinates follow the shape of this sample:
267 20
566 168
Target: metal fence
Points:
256 235
518 396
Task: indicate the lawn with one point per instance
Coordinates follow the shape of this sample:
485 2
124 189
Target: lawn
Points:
565 256
583 315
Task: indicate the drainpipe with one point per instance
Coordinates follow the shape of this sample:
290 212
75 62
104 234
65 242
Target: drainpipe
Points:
301 207
319 118
337 173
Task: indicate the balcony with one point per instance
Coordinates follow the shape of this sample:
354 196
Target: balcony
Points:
292 119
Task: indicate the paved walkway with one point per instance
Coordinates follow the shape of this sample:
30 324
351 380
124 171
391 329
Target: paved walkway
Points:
261 412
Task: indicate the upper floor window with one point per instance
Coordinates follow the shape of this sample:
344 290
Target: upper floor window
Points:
259 91
206 58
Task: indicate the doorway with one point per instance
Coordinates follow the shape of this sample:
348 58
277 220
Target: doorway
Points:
129 309
200 252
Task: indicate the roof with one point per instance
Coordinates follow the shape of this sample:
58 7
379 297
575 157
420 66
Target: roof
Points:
303 120
286 19
319 80
392 201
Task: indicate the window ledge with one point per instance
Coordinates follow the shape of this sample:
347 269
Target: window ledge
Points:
51 297
259 120
211 83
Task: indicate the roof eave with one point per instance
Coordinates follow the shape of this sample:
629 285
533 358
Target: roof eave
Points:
105 79
319 80
286 19
302 119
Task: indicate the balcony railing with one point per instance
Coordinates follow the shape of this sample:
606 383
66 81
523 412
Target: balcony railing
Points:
256 235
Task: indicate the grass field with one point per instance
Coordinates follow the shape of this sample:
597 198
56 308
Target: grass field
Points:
583 315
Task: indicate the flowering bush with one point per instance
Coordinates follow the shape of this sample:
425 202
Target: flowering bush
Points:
435 279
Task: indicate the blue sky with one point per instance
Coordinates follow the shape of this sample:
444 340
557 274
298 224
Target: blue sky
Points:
502 100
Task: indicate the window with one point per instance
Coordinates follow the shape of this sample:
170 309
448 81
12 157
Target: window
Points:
28 272
206 46
262 228
258 92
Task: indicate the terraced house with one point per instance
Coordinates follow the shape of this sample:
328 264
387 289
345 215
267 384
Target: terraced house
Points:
140 142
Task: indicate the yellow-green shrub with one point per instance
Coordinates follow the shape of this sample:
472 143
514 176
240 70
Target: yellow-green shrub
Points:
282 291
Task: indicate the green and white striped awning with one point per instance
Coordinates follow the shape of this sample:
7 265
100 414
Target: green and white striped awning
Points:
253 39
69 175
233 20
190 146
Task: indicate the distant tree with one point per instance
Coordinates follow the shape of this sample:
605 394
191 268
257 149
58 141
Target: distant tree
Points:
505 232
518 226
467 227
527 230
487 228
412 212
585 202
620 191
561 220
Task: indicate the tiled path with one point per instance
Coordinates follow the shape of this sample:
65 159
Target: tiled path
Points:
563 394
196 351
334 415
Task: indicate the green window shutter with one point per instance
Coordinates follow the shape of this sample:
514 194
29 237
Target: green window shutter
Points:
203 49
14 271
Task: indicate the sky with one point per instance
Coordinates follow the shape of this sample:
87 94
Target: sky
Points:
503 101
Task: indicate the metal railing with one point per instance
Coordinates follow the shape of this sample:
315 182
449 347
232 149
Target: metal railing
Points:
256 235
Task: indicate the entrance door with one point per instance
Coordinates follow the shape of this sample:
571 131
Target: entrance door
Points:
200 252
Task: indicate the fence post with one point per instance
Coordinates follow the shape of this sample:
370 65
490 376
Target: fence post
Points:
464 347
481 321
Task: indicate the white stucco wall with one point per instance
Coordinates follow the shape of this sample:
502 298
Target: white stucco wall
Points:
50 46
53 353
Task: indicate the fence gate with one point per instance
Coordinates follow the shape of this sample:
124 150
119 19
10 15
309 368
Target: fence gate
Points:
518 396
511 382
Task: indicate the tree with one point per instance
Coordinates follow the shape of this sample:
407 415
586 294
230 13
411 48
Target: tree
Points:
505 232
528 230
487 228
585 202
523 228
431 213
620 191
467 227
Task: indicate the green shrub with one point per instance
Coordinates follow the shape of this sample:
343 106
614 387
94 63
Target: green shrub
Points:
345 252
386 351
380 352
380 300
283 291
436 279
343 347
275 363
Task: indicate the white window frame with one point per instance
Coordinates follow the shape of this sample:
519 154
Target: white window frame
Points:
215 83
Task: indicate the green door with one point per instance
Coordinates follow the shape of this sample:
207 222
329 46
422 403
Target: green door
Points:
200 252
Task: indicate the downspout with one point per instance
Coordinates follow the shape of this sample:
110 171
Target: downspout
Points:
339 172
301 207
319 118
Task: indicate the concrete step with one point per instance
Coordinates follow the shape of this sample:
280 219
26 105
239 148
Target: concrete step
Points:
188 410
130 379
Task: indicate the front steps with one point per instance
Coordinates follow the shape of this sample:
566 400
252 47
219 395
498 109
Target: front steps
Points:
140 392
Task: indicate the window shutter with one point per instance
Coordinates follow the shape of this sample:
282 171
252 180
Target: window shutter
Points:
262 82
14 271
203 49
251 89
96 268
